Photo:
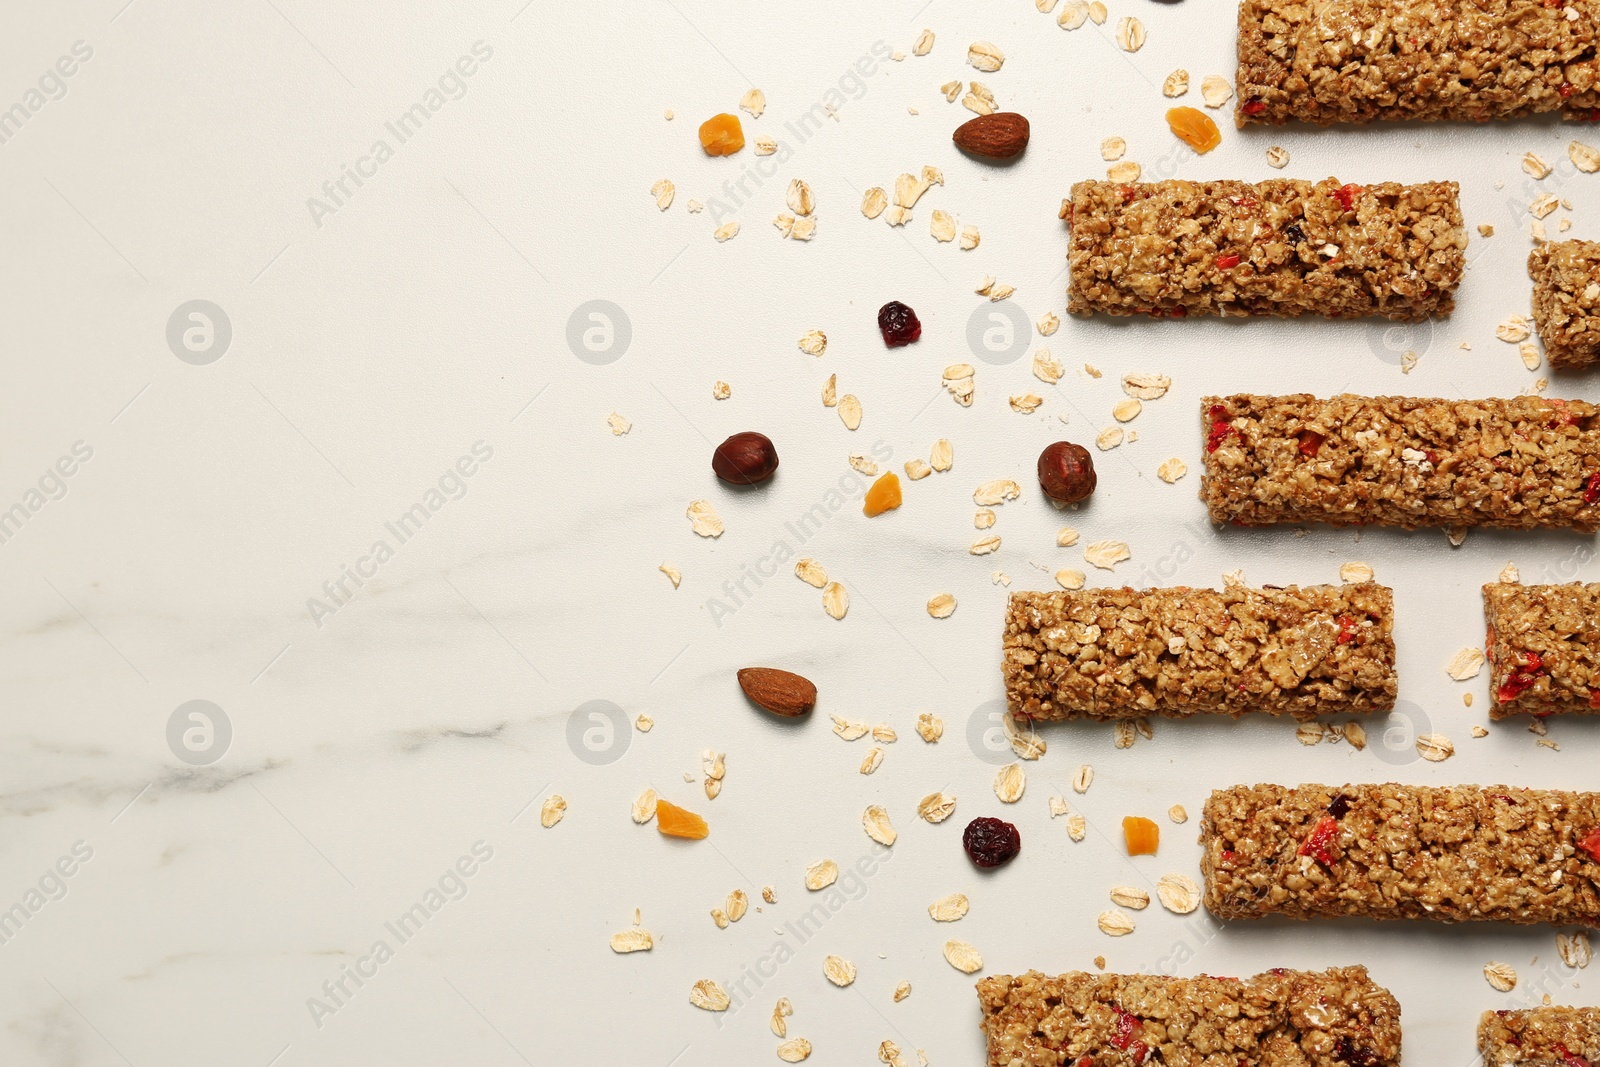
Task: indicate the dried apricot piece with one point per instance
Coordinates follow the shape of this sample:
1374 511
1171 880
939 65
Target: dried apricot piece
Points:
1142 835
1193 127
679 822
883 496
721 135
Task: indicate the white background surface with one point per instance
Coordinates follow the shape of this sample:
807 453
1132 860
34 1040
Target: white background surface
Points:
429 312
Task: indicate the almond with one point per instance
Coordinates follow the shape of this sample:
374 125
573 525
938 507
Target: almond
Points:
998 136
780 692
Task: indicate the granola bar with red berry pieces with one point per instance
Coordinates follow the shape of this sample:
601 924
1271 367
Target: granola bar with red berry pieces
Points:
1390 851
1566 301
1550 1036
1333 1018
1521 462
1281 247
1108 654
1360 60
1543 649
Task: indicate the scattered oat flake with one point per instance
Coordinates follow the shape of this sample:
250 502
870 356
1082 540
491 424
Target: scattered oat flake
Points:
1535 166
873 201
1178 893
942 455
962 956
695 207
830 391
1077 827
1465 664
663 191
1129 896
942 605
930 727
1027 403
850 411
1109 438
1215 90
1585 157
1113 149
948 909
985 56
1176 83
936 807
553 810
1574 949
707 994
969 238
674 575
634 940
1127 410
1310 733
794 1051
1114 922
871 761
860 463
821 874
1130 33
1178 813
917 469
983 518
902 991
1066 537
951 90
840 971
1356 571
721 390
1142 386
1172 470
997 491
644 808
703 519
942 226
1073 15
979 100
984 545
1277 157
618 424
835 601
1083 779
1502 976
1435 748
849 730
1001 291
1067 578
1123 734
813 342
923 44
1356 734
1010 782
765 145
1048 324
1510 574
643 723
875 821
1125 171
1106 554
811 572
726 231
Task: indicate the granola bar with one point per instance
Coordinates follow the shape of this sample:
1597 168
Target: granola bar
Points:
1551 1036
1108 654
1360 60
1283 1018
1566 301
1402 852
1280 247
1543 648
1520 463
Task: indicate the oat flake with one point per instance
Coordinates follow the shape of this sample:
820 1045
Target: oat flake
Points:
1126 171
1114 922
755 102
644 808
1113 149
1465 664
1176 83
1277 157
872 761
703 519
875 820
930 727
1128 896
962 956
835 601
850 411
948 909
942 456
821 874
1178 893
707 994
1435 748
794 1051
1172 470
1178 814
811 572
984 545
1010 782
1067 578
1574 949
936 807
674 575
985 56
553 810
1106 554
1502 976
923 44
1073 15
1083 779
1130 32
1109 438
916 469
840 971
1215 90
634 940
942 606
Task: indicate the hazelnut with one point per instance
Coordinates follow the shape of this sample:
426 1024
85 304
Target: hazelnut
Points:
745 459
1066 472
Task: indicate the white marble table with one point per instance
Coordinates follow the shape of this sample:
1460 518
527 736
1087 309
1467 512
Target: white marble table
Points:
340 862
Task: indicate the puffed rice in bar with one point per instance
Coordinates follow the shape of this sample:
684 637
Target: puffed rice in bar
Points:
1549 1036
1543 648
1281 247
1332 1018
1109 654
1392 851
1566 301
1520 463
1360 60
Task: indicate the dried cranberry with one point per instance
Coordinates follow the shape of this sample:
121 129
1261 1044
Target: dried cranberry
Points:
1590 843
1591 489
1129 1027
991 842
1569 1058
1566 90
1227 262
1311 442
1254 107
1340 806
1221 428
1317 843
1521 679
898 324
1347 1051
1347 629
1346 195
